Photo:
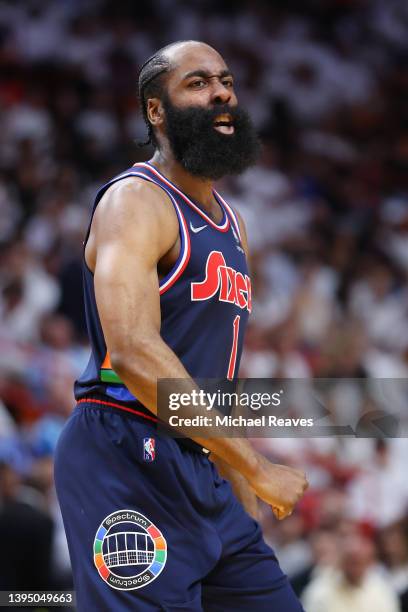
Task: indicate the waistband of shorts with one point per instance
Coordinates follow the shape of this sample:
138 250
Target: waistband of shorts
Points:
135 411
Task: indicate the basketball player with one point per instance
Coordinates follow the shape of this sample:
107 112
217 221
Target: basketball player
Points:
151 524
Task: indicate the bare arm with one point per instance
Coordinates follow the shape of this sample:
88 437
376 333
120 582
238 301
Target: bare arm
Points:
133 228
239 483
129 241
240 486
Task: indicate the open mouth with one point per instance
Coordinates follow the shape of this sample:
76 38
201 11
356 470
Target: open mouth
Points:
224 124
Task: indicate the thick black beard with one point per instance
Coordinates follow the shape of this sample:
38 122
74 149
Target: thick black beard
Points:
202 150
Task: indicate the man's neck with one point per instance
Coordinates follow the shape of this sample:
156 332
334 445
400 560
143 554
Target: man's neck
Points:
198 189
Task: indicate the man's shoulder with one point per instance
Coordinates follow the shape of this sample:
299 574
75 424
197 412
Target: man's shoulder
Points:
134 186
132 216
135 196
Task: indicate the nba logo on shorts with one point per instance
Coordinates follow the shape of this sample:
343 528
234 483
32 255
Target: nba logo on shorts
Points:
149 451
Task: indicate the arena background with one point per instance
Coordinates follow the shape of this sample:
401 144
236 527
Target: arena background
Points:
327 213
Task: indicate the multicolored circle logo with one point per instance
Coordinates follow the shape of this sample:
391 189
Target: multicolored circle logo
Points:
129 551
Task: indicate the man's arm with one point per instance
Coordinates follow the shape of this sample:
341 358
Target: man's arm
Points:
239 483
240 486
134 226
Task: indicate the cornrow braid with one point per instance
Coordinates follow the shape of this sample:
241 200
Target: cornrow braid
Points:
151 84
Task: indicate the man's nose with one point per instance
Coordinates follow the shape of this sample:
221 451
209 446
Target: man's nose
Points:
220 93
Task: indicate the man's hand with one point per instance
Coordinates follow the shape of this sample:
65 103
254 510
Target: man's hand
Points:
278 485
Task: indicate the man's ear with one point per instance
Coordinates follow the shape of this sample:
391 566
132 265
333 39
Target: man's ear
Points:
155 111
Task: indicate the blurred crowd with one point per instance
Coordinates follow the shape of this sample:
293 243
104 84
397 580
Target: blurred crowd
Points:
327 216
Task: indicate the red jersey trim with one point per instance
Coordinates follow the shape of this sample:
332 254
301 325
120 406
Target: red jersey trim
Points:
184 256
231 212
126 408
221 228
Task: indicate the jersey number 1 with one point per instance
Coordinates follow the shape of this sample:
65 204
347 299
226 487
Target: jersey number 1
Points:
233 356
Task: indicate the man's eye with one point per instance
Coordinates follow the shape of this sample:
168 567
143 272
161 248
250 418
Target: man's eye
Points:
228 83
198 83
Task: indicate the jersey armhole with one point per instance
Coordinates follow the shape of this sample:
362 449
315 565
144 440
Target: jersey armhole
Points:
185 249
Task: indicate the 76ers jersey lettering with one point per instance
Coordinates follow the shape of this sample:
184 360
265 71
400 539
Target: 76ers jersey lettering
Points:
233 286
205 299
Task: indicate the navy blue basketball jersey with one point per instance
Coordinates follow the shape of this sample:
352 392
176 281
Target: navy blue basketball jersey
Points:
205 298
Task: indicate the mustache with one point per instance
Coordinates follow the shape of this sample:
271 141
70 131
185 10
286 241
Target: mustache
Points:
218 109
208 115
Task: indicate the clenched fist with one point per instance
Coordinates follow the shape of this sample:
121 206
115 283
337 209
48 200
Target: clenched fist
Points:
278 485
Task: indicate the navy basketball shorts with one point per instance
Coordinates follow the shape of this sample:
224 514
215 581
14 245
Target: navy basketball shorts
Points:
151 526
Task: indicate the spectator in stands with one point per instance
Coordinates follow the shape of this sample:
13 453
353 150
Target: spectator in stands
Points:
355 585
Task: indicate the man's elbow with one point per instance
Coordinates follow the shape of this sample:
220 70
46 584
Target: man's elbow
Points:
118 362
131 361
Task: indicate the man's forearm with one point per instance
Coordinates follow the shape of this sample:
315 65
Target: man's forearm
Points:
277 485
159 362
240 486
140 375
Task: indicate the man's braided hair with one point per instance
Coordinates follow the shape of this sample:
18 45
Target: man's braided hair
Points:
151 84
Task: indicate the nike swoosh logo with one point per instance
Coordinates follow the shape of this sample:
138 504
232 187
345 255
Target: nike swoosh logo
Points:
195 230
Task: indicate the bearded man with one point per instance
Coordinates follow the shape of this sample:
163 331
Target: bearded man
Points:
150 522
